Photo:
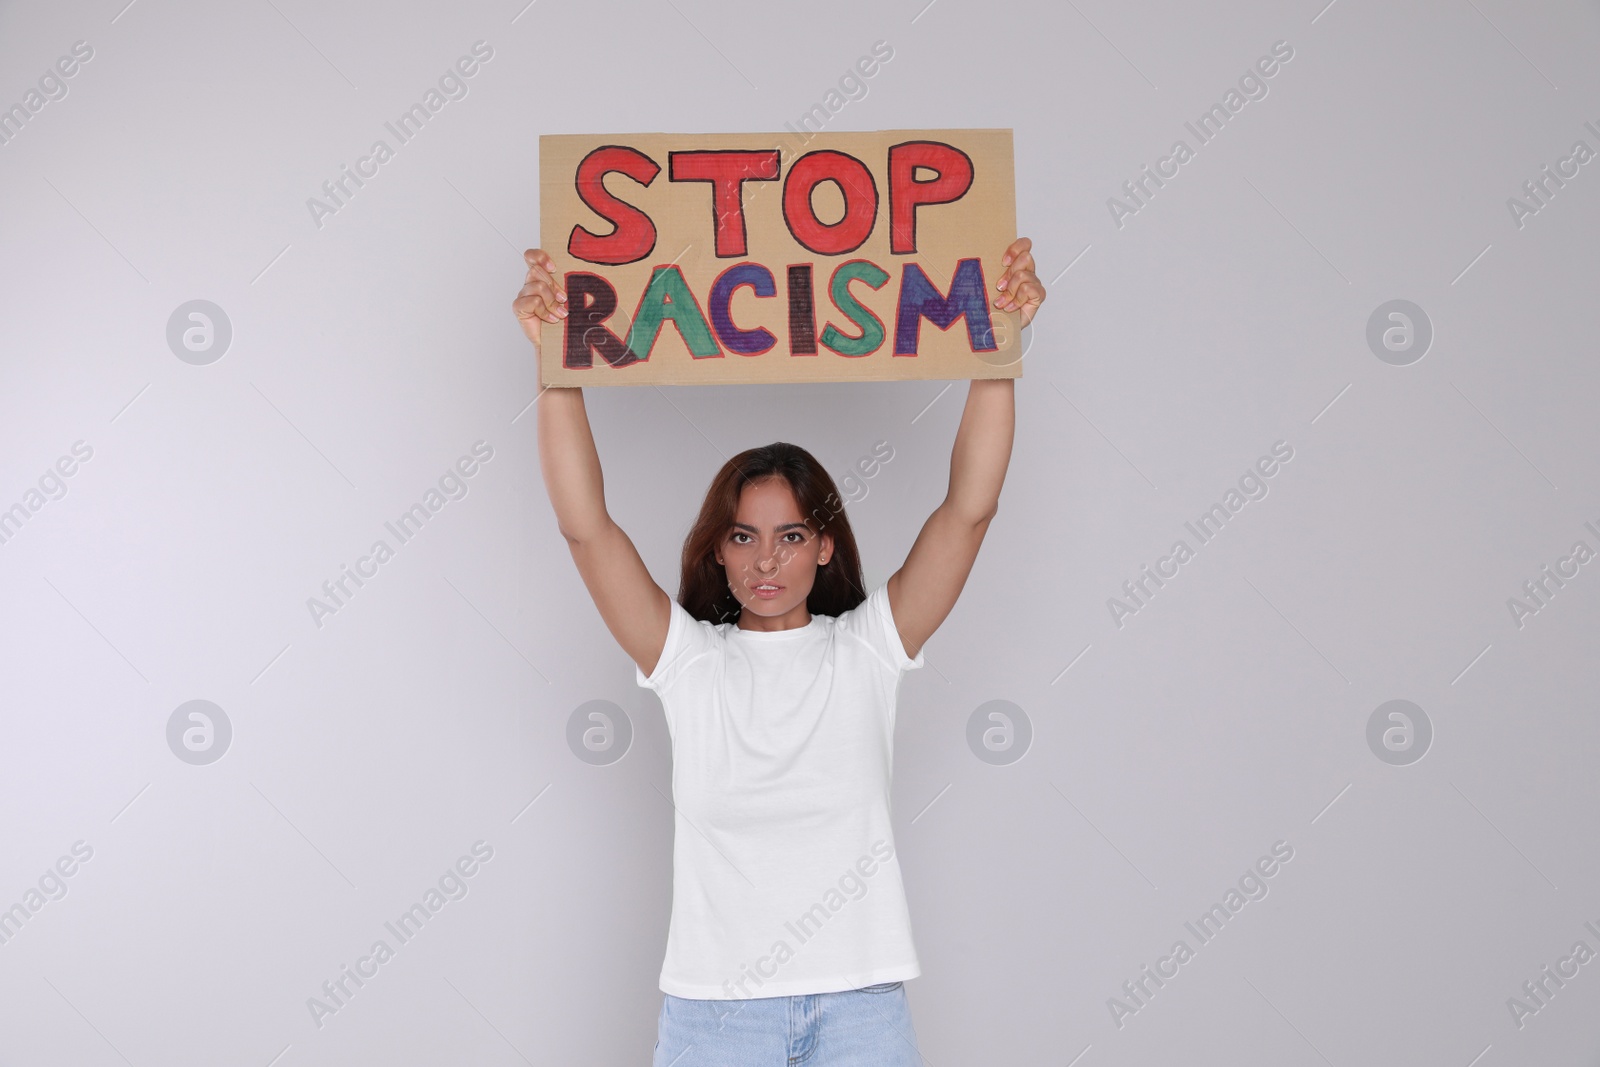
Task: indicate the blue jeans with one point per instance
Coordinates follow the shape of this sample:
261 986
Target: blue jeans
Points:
867 1027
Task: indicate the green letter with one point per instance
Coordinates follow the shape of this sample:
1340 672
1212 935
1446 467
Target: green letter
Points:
668 297
872 332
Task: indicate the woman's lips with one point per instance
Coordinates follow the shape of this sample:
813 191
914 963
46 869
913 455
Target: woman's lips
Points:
766 594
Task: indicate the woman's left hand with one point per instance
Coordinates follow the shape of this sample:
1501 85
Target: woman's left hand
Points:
1019 287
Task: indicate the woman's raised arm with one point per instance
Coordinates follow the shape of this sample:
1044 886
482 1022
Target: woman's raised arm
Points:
636 610
924 590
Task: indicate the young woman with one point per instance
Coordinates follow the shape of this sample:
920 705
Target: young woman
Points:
778 673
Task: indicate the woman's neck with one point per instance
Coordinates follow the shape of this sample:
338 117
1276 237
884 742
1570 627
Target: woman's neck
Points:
796 619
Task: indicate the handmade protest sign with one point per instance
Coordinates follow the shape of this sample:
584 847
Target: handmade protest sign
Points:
699 259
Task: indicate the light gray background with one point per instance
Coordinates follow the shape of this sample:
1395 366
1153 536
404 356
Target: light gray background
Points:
1230 713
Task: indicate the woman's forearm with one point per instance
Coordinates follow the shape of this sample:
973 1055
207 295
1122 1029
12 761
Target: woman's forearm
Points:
982 450
570 464
983 443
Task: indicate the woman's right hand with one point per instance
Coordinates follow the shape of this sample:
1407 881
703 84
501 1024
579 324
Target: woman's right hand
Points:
541 297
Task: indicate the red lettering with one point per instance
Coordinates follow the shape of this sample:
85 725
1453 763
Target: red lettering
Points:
906 193
860 202
727 172
633 235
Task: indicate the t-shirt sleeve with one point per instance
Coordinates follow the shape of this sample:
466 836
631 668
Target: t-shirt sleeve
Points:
687 638
873 622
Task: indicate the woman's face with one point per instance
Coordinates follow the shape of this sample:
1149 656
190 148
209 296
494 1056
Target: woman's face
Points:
771 546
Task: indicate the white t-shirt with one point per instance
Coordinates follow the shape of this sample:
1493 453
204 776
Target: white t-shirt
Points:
785 879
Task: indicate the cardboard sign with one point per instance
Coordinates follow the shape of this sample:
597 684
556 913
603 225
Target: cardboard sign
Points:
698 259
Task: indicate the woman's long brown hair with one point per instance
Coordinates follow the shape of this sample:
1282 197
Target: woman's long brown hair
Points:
703 583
